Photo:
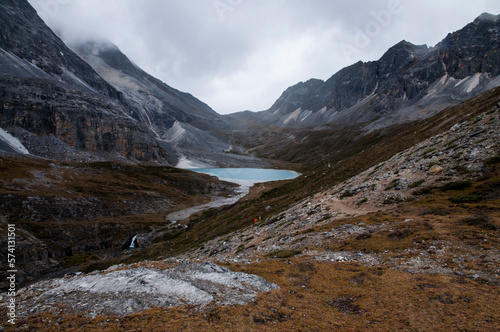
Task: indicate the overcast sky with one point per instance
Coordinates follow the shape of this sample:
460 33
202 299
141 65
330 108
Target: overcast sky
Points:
242 54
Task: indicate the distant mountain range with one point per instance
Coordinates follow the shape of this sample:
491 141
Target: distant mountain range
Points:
406 83
90 102
62 107
181 124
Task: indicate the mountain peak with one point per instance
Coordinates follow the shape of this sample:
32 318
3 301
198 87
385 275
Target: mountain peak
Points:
408 81
400 56
108 52
487 17
409 47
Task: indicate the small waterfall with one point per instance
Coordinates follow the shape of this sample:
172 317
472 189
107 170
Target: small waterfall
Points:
133 243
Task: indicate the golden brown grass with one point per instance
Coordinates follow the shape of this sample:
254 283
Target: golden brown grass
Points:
379 299
349 296
348 153
110 181
103 203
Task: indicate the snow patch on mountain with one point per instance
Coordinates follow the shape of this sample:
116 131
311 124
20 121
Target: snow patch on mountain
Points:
186 163
175 133
12 142
294 116
305 115
470 82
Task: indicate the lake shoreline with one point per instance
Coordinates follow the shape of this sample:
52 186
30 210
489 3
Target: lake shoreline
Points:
248 176
246 183
217 201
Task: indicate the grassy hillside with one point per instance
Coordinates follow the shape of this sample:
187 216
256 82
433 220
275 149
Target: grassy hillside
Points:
68 214
342 261
427 264
344 154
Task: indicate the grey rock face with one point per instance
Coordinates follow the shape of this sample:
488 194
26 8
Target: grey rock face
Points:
122 292
48 91
25 37
407 82
97 105
184 125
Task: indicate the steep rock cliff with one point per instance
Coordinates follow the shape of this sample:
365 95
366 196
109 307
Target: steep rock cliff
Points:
46 90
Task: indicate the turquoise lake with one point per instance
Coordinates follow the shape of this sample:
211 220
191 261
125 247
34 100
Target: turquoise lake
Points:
248 174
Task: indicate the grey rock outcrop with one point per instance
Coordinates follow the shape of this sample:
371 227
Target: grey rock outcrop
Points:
181 123
125 290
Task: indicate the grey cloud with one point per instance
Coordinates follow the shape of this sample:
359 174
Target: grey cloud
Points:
241 54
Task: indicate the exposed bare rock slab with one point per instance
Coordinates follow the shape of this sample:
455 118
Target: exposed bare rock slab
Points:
122 292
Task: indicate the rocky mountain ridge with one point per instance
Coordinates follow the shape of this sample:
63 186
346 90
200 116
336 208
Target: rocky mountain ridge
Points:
423 223
56 104
451 157
408 82
59 107
63 211
185 126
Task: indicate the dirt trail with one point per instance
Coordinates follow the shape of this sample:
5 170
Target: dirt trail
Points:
342 207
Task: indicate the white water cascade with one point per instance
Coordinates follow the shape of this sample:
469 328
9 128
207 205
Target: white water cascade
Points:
132 244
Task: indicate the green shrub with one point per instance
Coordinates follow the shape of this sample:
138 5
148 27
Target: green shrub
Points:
480 220
492 160
79 259
416 184
363 201
398 235
467 199
99 266
325 217
428 152
393 184
346 305
168 236
392 200
284 253
240 248
347 193
456 185
438 212
363 236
